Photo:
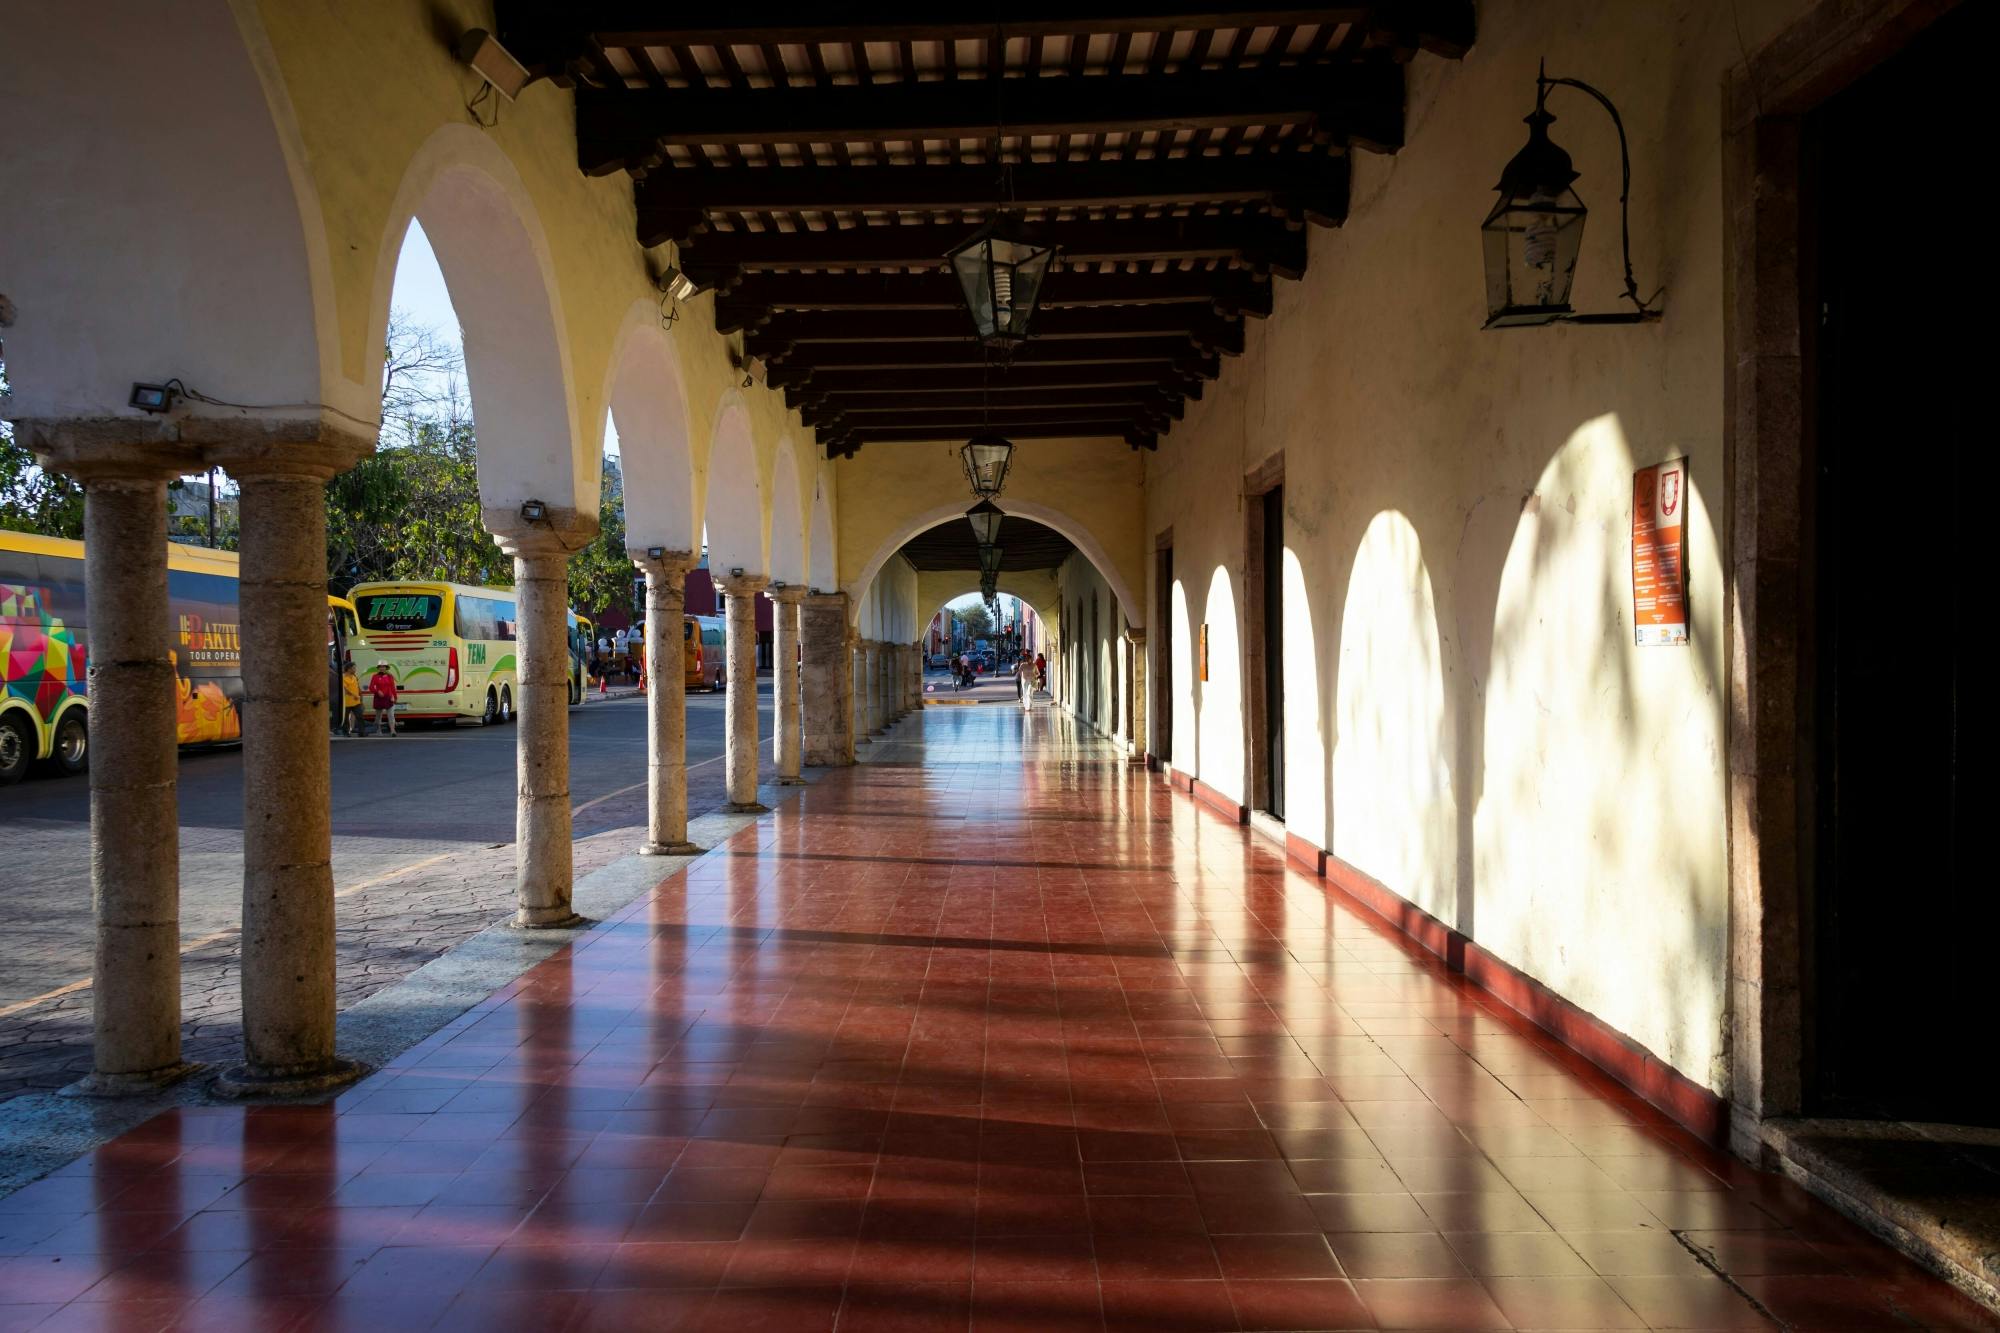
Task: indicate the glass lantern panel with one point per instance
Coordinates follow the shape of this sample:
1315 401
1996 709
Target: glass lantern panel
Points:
1531 245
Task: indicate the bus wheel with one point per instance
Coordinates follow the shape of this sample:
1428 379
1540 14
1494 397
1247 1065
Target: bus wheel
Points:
492 713
17 748
506 704
71 754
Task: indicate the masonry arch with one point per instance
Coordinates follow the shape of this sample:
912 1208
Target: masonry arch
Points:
788 537
734 508
1079 534
649 404
113 260
494 255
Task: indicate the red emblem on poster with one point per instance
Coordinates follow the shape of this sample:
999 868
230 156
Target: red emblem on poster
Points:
1659 543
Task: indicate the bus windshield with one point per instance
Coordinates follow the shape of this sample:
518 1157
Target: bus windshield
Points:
399 612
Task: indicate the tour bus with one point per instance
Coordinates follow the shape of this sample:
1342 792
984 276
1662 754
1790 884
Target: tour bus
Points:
581 634
702 663
451 648
45 648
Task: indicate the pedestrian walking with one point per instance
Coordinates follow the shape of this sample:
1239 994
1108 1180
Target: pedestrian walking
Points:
350 697
382 693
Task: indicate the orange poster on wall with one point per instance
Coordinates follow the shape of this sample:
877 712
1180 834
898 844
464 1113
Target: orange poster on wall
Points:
1659 573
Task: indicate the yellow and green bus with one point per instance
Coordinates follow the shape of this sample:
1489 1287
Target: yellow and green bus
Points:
451 648
45 651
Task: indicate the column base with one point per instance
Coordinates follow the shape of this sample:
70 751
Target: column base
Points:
140 1084
246 1081
863 740
747 808
547 918
791 782
671 849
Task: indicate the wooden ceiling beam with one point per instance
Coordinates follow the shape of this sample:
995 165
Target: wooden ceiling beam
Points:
802 334
1313 187
1019 379
867 400
624 128
1166 354
1262 244
754 300
1445 25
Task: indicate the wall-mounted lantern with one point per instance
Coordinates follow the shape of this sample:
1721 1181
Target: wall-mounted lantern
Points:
1535 231
986 457
989 561
985 519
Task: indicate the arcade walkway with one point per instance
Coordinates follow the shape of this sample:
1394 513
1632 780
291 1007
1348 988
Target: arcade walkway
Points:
990 1031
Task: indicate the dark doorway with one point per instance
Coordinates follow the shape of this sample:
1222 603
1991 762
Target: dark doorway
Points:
1899 1017
1161 714
1095 685
1273 571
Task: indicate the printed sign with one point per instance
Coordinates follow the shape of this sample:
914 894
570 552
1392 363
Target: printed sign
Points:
1659 544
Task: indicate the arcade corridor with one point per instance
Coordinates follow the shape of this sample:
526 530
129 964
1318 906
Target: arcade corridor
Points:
994 1030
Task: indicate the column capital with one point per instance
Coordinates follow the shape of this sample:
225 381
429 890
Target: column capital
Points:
791 594
668 565
561 532
109 449
740 585
310 451
1135 634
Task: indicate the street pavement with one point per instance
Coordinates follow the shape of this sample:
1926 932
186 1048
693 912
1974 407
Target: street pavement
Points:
423 857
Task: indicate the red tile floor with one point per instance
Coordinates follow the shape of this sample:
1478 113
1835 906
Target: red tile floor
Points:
993 1033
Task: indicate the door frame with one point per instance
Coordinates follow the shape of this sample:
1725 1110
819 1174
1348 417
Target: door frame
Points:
1258 482
1770 613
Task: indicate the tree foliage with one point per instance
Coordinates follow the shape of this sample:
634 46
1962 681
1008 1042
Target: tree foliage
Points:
601 574
411 511
978 624
32 500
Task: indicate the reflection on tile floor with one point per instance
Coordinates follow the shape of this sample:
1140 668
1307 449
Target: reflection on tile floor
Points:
993 1032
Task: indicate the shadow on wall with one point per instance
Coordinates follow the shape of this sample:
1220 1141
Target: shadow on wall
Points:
1398 819
1305 733
1220 720
1185 683
1588 742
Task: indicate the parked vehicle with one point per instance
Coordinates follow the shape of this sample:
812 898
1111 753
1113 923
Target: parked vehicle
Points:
705 640
44 626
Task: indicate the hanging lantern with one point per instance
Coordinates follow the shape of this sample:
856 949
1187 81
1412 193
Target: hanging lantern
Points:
1535 231
989 560
985 457
985 519
1000 270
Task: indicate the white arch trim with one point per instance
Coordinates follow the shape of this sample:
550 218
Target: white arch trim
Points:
788 536
1079 536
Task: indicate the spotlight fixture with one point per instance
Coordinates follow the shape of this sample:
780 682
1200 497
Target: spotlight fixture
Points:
1535 231
656 552
152 397
736 572
675 283
492 62
534 511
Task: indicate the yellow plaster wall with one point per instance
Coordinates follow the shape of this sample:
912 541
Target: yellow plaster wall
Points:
1466 715
363 85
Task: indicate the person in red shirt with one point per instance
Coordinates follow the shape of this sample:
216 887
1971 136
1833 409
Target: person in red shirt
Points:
382 693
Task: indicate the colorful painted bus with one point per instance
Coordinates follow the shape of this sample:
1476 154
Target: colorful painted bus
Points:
45 651
704 650
451 648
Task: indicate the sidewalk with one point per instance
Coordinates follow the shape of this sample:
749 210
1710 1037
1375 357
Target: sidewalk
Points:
920 1051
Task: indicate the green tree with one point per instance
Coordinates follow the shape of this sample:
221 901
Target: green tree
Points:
601 574
978 624
32 500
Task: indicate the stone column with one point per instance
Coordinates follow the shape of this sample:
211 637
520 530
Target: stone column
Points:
879 681
134 819
666 704
788 717
740 731
1142 743
857 694
828 721
544 871
288 916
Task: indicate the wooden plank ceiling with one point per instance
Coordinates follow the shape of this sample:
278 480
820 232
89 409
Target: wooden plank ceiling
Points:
813 171
1024 545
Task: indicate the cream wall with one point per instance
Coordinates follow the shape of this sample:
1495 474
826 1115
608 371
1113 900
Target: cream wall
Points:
1467 718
